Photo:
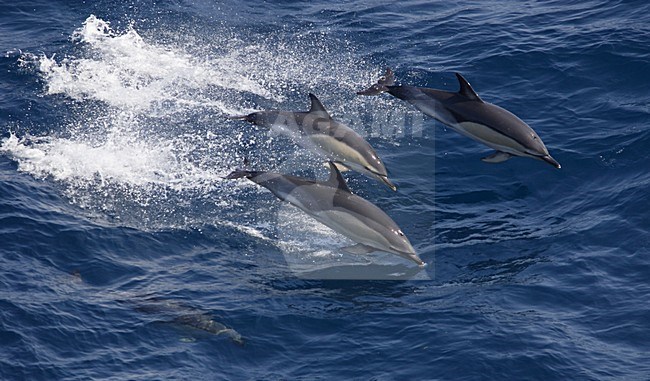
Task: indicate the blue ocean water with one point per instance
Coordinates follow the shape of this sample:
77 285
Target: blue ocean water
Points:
115 143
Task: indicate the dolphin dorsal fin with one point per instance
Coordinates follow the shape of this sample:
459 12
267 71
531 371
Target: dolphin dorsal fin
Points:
466 89
336 179
317 107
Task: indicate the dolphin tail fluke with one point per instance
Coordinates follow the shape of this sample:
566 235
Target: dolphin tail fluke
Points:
388 79
243 171
240 173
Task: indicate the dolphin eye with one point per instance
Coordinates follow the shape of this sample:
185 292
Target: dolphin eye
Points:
399 233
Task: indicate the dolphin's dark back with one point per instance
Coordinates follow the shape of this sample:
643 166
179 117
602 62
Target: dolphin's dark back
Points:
281 185
413 94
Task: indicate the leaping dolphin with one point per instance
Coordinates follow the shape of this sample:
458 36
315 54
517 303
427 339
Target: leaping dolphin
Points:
316 130
332 204
465 112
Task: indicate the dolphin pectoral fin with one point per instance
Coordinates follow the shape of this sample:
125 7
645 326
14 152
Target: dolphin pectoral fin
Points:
340 166
358 249
497 157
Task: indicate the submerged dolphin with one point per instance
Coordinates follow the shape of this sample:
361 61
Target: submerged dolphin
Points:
332 204
316 130
183 315
465 112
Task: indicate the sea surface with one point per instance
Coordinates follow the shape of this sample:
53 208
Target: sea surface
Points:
120 239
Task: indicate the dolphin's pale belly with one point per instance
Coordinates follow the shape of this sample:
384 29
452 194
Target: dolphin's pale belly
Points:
293 132
325 145
477 131
353 228
337 149
342 222
295 198
489 137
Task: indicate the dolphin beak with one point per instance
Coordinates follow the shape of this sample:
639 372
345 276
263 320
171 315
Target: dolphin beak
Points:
385 180
415 258
551 161
410 255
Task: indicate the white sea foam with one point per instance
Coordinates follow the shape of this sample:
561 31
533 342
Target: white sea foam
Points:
123 70
135 164
148 143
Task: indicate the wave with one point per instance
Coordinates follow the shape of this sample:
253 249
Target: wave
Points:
124 70
148 144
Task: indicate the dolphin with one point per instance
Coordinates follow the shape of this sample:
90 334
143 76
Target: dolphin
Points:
316 130
206 323
180 314
332 204
465 112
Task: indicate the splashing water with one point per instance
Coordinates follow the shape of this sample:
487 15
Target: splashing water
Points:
149 142
125 71
149 145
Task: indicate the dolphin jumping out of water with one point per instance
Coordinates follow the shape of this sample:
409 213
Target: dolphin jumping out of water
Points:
465 112
332 204
316 130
